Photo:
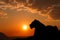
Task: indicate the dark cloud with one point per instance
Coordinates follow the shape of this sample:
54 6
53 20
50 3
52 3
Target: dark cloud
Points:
22 1
13 2
42 4
31 1
55 13
39 4
6 1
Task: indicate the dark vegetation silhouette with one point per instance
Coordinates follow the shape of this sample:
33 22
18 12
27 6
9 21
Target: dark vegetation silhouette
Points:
41 32
3 36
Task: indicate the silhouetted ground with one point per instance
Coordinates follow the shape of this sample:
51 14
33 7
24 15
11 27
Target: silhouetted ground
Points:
42 32
28 38
3 36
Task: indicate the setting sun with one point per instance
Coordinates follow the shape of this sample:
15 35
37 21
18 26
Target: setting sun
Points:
24 27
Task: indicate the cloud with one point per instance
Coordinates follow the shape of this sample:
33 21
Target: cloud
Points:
55 13
12 4
3 15
47 7
23 1
44 7
36 4
42 4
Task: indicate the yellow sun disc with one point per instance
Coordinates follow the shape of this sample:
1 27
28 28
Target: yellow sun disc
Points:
25 27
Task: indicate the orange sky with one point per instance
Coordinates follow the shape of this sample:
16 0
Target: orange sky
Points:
13 17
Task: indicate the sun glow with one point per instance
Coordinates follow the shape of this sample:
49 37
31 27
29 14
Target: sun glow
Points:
25 27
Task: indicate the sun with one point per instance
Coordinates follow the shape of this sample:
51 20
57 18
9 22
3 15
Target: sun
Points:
25 27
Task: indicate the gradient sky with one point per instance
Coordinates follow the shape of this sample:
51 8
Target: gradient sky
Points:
15 13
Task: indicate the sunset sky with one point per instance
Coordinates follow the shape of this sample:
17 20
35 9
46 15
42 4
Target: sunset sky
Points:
14 14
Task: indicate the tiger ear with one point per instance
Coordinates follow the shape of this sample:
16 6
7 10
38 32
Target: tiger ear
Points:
35 20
